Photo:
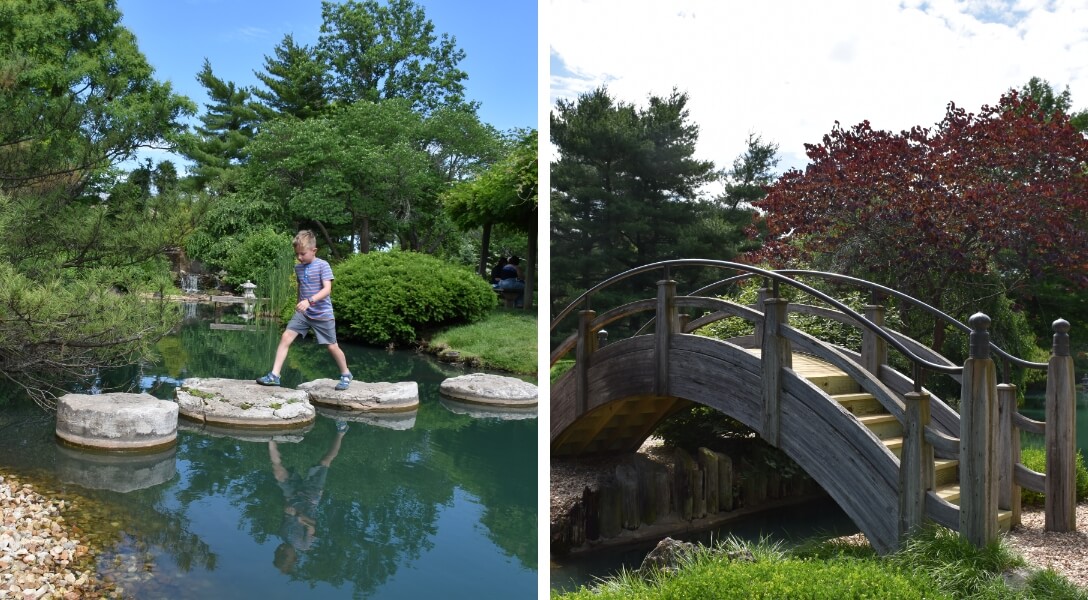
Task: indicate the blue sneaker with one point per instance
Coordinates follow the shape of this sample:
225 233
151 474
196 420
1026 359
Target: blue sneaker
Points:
341 427
270 379
345 380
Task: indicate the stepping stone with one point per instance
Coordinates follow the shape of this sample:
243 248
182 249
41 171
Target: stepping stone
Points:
484 411
234 403
399 421
492 390
117 421
362 396
115 471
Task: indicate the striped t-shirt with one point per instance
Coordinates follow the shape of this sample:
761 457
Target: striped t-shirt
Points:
310 278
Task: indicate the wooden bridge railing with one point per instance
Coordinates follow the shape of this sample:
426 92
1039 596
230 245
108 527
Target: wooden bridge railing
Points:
988 443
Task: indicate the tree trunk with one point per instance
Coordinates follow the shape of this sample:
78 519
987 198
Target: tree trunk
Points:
485 244
530 269
364 235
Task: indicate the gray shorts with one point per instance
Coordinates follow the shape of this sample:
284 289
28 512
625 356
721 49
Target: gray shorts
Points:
324 330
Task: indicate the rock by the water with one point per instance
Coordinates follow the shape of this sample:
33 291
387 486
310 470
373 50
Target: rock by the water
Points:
117 421
238 403
363 396
484 411
667 556
495 390
397 421
118 472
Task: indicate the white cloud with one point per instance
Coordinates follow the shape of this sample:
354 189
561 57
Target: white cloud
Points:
788 69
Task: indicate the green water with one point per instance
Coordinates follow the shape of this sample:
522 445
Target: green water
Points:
437 503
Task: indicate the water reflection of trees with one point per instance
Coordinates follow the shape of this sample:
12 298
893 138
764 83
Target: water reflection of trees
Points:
386 488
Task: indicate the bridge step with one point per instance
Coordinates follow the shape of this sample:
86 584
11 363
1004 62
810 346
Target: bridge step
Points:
861 403
951 494
885 426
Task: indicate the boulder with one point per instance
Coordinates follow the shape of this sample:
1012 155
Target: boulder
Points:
363 396
242 403
492 390
117 421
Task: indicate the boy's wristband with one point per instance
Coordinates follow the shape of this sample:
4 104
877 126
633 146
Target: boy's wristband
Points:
311 301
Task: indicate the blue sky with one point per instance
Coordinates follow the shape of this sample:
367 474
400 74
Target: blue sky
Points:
499 38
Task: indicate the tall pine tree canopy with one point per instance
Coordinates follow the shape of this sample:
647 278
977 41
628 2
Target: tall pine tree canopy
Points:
626 188
76 98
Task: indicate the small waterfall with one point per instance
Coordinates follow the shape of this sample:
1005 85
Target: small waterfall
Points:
190 283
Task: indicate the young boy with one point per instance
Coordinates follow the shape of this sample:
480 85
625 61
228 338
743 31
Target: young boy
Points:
313 311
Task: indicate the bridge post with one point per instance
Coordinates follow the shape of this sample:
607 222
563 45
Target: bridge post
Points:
583 351
1061 393
978 428
668 323
1008 452
776 355
761 300
916 475
874 350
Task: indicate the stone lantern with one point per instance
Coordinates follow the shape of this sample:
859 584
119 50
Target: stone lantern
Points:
248 288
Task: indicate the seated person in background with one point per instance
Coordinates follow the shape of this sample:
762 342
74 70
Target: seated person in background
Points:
496 271
511 278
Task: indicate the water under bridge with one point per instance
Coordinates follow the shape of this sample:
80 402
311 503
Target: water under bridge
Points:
886 448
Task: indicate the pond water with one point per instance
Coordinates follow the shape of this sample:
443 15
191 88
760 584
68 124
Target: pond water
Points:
441 502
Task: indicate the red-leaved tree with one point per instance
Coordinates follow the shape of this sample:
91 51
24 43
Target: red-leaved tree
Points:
994 200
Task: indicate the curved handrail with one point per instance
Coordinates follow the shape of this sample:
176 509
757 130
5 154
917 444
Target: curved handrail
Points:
925 307
773 275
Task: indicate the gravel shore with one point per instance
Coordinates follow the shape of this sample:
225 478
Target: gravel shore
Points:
39 557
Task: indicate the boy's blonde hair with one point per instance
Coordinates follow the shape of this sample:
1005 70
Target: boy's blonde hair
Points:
305 240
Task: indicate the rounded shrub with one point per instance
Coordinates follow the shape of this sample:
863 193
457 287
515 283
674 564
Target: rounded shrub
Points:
384 297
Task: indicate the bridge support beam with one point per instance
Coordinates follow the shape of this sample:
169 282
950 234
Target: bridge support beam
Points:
667 324
916 471
874 350
583 353
776 355
978 429
1008 452
1061 476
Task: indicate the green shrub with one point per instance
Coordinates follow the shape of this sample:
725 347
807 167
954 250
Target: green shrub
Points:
1034 458
384 297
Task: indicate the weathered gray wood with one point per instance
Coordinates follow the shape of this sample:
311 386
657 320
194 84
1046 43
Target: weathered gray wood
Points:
1027 478
1061 476
1008 452
708 462
604 320
684 471
874 350
725 482
1028 424
698 492
978 425
610 510
776 356
944 446
915 479
587 345
627 486
667 324
941 512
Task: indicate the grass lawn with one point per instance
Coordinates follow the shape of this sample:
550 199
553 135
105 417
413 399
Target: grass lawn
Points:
505 340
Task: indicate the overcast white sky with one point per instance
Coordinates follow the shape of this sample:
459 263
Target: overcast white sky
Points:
788 69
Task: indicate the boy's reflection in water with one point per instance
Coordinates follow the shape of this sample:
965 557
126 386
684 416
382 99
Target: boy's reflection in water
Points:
301 495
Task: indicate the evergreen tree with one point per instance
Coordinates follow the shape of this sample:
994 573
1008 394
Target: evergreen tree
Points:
625 189
295 82
227 126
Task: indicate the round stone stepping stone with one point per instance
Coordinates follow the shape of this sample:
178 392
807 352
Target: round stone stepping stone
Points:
363 396
117 421
484 411
399 421
492 390
115 471
243 404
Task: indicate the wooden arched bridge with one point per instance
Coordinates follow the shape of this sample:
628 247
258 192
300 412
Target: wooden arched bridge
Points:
887 450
